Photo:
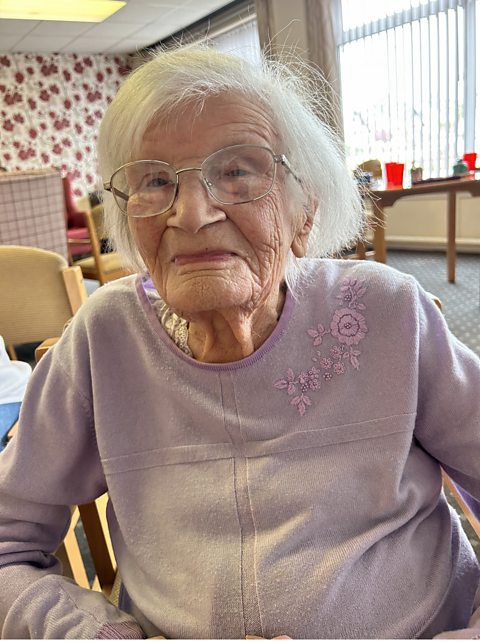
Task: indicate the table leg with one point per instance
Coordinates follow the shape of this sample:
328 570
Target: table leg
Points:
451 232
379 244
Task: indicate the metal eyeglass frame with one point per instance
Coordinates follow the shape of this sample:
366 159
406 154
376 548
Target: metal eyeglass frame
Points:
277 158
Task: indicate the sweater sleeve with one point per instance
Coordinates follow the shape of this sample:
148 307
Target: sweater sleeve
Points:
51 464
448 407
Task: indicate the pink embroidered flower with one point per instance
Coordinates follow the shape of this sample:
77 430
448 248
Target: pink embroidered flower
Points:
351 291
326 363
339 368
337 351
348 326
303 383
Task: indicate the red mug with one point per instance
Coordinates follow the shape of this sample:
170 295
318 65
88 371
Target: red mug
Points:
394 174
471 160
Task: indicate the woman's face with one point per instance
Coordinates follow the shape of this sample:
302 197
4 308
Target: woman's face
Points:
203 255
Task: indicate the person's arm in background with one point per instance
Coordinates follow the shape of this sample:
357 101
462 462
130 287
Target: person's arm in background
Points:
51 464
14 376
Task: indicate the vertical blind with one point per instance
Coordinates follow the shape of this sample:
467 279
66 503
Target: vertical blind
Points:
241 40
408 76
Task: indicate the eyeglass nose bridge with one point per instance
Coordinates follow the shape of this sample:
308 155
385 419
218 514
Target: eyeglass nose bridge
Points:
204 180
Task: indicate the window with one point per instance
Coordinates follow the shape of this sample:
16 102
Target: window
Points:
241 40
409 81
231 29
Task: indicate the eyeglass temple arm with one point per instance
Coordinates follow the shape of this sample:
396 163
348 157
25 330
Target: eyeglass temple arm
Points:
108 188
283 160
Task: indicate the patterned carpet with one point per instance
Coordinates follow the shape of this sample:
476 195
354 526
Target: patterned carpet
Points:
460 300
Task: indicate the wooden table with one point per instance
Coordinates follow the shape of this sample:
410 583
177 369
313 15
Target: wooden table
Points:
386 198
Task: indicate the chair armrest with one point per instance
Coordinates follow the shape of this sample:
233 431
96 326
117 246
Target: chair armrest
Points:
466 509
44 346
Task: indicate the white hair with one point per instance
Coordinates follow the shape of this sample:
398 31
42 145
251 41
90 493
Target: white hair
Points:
293 97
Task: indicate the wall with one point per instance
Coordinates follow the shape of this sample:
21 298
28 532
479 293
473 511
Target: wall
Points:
50 109
420 222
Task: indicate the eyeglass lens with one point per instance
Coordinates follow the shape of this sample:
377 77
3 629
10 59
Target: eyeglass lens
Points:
236 174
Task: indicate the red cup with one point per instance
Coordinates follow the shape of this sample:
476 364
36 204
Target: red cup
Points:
394 174
471 160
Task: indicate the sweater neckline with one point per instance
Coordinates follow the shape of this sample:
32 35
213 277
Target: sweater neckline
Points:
143 282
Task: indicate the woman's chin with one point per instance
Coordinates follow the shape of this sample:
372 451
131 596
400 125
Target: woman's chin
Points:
200 296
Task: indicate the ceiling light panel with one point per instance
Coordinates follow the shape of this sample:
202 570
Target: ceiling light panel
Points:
71 11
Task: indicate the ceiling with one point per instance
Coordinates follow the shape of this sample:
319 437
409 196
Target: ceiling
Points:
136 25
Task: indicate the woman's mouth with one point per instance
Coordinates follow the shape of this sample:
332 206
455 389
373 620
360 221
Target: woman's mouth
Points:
202 257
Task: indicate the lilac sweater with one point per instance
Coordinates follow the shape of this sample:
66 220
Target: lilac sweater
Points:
297 491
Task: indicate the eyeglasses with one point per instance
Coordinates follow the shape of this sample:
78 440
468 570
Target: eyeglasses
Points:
233 175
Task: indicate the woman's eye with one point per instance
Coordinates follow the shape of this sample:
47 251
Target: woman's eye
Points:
156 181
236 172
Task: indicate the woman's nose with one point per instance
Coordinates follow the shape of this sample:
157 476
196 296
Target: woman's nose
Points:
194 208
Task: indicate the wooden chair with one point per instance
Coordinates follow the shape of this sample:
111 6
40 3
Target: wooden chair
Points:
92 518
470 508
374 166
39 293
100 267
77 233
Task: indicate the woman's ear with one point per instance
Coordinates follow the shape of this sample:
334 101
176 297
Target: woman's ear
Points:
300 240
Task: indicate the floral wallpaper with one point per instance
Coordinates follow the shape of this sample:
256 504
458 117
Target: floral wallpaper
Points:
50 109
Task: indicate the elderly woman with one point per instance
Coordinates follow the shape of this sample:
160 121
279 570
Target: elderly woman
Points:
269 428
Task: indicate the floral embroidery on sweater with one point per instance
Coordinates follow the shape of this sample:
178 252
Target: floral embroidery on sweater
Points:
346 330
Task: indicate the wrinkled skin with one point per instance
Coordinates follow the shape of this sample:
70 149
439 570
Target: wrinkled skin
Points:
220 266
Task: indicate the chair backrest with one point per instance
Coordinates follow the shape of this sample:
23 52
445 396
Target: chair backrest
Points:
39 293
102 267
373 166
32 210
